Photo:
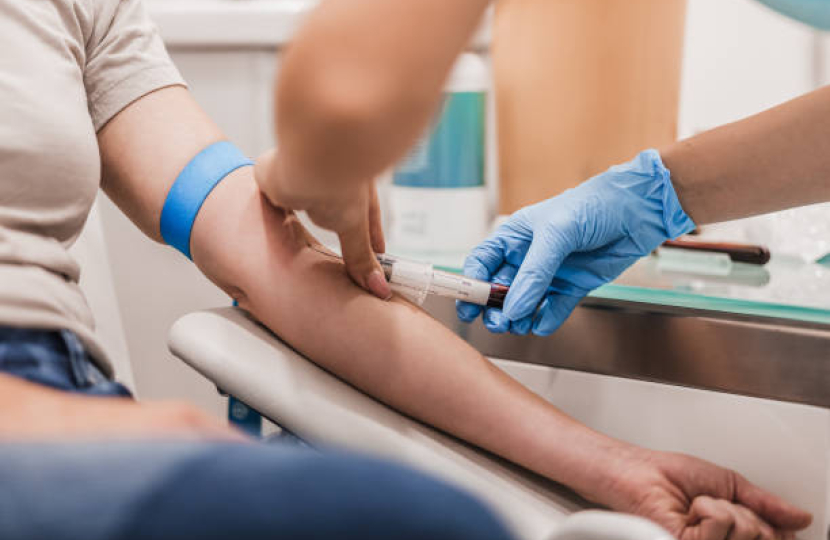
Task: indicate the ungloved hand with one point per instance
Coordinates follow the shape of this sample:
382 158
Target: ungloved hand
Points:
352 211
697 500
555 252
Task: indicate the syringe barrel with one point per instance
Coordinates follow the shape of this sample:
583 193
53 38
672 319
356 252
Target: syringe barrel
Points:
410 279
415 280
460 287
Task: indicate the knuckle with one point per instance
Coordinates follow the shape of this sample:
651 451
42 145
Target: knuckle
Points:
715 510
185 414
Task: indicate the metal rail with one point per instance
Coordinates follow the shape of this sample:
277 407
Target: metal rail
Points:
771 359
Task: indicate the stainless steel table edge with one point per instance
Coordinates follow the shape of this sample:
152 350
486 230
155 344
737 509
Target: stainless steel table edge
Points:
778 359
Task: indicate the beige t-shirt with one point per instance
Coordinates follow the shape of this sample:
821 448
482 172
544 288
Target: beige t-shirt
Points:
66 68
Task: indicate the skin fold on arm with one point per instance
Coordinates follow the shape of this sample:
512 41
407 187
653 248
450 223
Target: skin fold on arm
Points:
261 255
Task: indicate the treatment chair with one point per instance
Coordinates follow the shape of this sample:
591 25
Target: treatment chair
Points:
246 360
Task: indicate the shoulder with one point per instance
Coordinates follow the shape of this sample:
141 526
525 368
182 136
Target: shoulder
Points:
109 17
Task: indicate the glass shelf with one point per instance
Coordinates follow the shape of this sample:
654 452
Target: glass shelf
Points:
784 289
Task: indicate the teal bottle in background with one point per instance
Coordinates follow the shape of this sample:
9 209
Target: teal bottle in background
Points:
438 200
815 13
452 155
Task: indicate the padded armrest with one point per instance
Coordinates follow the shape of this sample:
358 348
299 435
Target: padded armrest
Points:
246 360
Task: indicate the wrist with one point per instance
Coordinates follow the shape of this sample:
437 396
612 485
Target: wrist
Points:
610 472
651 210
677 222
630 473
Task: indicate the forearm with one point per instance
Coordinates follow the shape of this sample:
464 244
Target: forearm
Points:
259 254
353 94
36 412
391 350
774 160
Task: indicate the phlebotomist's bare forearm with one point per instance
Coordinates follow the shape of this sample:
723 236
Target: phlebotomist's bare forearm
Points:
773 160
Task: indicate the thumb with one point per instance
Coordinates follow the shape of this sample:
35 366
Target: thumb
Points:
535 274
772 509
361 264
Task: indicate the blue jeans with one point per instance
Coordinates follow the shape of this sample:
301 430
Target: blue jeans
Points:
177 490
56 359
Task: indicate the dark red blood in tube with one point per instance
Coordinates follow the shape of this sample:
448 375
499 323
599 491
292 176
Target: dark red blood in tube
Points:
497 294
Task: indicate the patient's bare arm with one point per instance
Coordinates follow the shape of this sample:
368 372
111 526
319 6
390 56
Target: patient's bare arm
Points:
392 350
34 412
398 354
260 255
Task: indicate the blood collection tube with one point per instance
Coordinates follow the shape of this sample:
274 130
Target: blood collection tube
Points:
415 280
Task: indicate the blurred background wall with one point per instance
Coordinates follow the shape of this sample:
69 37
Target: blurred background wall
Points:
739 58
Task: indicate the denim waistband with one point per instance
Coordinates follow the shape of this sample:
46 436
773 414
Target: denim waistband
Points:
54 358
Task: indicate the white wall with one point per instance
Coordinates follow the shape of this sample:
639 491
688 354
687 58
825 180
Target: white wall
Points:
740 59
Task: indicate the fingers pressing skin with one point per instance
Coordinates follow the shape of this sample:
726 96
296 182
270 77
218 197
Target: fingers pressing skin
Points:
359 241
354 216
359 257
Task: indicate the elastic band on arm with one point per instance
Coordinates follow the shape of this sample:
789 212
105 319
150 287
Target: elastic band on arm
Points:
191 188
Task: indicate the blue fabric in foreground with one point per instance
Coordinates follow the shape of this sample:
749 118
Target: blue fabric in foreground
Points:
212 491
156 490
54 358
191 188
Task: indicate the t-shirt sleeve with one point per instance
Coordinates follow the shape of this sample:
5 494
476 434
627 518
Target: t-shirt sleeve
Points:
125 59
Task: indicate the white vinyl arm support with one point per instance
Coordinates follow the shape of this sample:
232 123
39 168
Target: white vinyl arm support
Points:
246 360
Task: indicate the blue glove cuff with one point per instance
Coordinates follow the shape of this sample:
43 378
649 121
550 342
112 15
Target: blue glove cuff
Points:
191 188
675 220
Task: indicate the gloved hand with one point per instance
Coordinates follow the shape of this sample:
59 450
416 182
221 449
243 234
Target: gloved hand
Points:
555 252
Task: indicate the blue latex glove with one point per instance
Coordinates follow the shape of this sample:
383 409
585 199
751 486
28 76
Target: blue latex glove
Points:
555 252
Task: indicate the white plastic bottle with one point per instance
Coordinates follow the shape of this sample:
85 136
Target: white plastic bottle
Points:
438 201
